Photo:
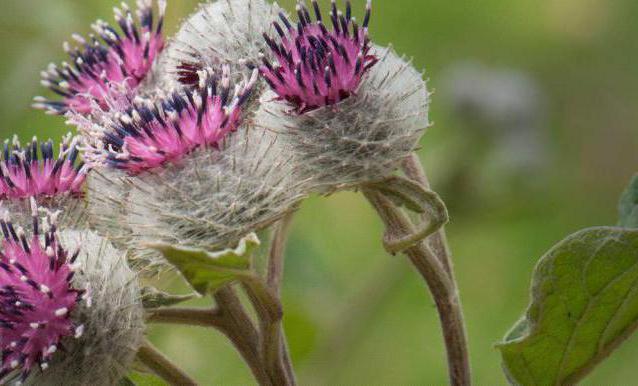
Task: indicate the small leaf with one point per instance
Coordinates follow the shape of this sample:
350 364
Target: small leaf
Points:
208 271
413 196
417 198
628 207
584 304
154 298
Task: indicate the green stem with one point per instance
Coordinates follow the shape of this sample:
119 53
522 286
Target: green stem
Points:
239 328
440 283
162 366
270 313
275 353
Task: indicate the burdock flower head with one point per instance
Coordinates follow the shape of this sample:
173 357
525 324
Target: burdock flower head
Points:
154 133
37 298
33 170
350 110
184 170
220 32
70 312
122 57
317 67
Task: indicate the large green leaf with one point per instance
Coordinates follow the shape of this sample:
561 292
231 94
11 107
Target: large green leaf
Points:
628 207
584 304
208 271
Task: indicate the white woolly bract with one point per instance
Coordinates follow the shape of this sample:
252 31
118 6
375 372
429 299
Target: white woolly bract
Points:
363 138
223 31
112 317
210 199
107 191
70 211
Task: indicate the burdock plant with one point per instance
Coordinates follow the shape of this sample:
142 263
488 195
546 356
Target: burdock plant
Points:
193 152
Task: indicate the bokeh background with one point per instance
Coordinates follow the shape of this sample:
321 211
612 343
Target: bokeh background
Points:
535 136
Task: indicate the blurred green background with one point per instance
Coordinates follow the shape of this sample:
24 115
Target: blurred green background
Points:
535 136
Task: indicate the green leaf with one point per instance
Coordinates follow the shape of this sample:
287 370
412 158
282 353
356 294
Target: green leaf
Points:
413 196
154 298
584 304
628 207
208 271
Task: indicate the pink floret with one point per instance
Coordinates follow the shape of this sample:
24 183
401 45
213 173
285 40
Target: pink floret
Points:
33 171
122 57
156 132
317 67
36 299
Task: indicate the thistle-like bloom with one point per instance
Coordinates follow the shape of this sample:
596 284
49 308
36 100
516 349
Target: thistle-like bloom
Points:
317 67
154 133
220 32
37 297
211 199
364 137
34 171
124 57
112 317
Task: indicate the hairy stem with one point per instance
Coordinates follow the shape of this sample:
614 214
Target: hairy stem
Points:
277 254
162 366
268 308
440 283
274 352
239 328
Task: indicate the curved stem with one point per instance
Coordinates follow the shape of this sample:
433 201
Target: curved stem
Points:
440 283
162 366
270 313
239 328
413 169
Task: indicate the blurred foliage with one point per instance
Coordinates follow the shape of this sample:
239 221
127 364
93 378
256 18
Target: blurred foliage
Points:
354 315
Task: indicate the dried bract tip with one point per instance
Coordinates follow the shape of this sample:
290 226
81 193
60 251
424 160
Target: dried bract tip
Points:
316 66
124 56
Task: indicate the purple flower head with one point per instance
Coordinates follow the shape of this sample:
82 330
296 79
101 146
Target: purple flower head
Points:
155 132
120 57
317 67
34 171
37 297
